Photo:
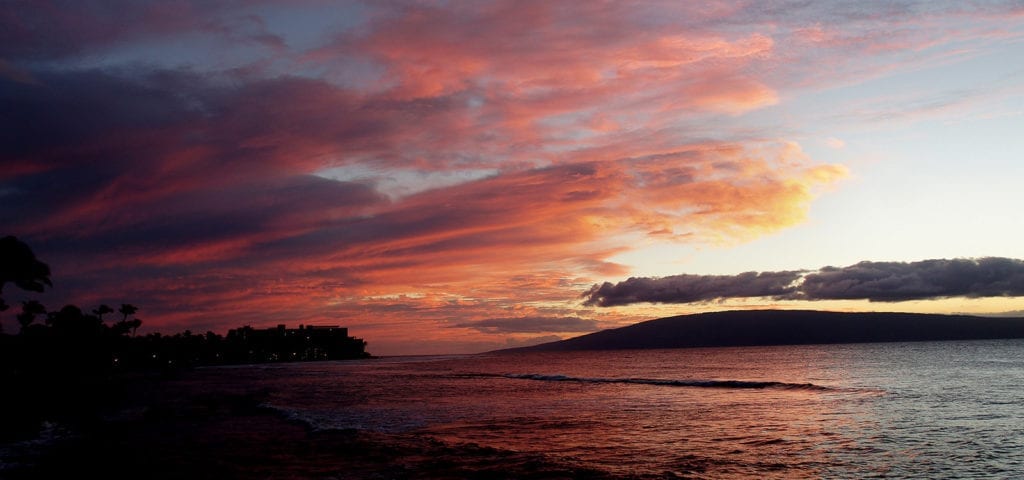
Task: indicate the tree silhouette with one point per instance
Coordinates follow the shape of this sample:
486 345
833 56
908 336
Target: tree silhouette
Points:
124 325
102 310
120 328
71 321
29 311
135 323
18 265
127 309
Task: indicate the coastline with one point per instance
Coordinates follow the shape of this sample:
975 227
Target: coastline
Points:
165 431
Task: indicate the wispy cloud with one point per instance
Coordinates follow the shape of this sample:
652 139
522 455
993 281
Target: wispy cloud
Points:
531 325
216 165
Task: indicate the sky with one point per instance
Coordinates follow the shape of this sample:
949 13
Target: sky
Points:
452 177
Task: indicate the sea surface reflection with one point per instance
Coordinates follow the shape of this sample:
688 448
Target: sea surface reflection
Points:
931 409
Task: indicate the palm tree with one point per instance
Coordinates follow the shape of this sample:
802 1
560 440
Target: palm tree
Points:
127 309
102 310
18 265
135 324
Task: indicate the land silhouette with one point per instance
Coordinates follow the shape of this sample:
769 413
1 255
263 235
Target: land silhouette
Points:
19 265
66 364
788 327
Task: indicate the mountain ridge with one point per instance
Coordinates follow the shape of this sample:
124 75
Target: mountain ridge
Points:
788 327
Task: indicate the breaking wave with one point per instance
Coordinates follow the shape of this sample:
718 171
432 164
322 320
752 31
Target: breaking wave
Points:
693 383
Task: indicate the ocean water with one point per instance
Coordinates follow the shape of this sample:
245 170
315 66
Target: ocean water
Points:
887 410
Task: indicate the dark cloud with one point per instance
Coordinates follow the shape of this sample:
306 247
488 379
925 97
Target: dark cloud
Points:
57 29
692 288
532 325
78 108
899 281
873 281
164 122
282 208
134 158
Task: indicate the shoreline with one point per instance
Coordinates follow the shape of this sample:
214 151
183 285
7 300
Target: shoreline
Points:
166 431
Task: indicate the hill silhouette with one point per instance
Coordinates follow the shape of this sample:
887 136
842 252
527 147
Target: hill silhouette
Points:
788 327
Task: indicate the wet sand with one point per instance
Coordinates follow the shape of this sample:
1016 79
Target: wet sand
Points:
166 431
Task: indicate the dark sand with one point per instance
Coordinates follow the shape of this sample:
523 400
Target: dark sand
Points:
165 431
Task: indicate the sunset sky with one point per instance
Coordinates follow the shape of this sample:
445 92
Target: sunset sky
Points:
446 177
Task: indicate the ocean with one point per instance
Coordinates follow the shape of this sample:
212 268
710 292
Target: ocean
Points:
892 410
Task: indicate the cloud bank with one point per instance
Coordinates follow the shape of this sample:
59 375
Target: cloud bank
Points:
872 281
692 288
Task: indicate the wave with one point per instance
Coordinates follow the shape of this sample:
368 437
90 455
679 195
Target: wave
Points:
693 383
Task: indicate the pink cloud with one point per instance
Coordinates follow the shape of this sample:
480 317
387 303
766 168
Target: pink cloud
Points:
198 193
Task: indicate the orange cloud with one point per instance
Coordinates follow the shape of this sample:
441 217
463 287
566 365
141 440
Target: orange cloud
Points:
213 198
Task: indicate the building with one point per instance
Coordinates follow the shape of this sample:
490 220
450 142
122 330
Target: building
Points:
282 344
